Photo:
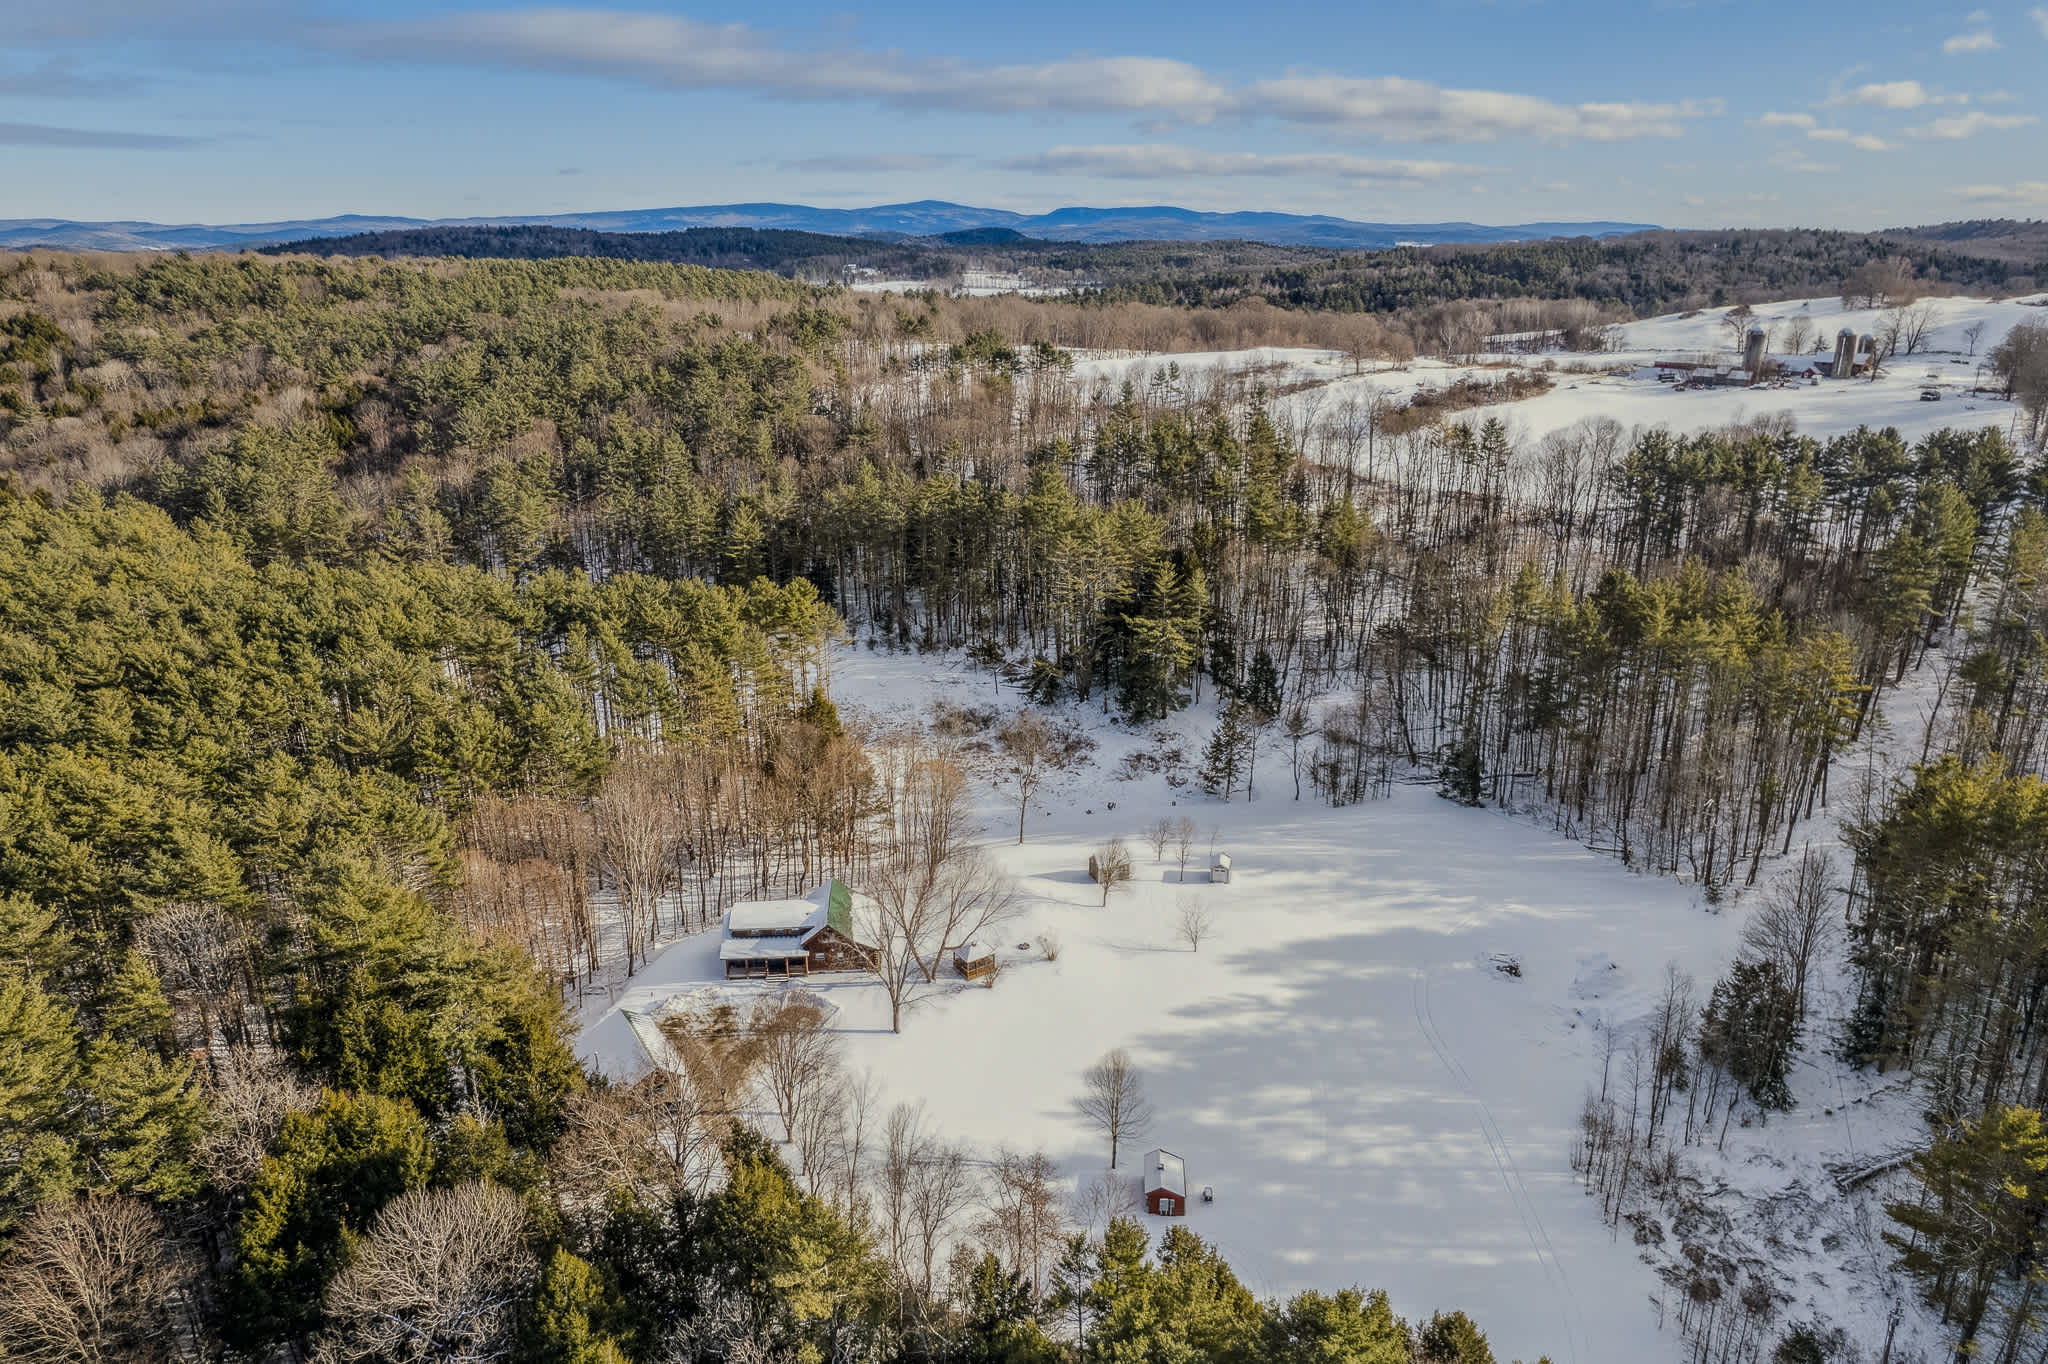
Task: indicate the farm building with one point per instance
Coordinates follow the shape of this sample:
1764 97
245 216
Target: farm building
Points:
776 938
1219 868
975 960
1166 1184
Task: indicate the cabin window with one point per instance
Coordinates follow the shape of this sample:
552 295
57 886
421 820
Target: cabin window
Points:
1166 1206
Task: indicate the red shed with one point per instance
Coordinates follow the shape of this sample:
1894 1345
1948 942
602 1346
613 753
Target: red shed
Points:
1166 1184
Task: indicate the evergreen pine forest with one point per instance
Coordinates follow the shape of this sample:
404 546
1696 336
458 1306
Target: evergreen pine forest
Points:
367 628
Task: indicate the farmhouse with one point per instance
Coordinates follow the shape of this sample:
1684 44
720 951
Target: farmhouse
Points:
1166 1184
779 938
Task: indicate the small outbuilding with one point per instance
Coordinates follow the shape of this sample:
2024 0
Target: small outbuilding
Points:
975 960
1166 1184
1219 868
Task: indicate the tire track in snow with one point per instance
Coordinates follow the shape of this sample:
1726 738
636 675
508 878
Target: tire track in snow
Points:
1504 1164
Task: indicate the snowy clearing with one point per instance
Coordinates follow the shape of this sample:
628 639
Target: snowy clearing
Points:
1316 384
1371 1100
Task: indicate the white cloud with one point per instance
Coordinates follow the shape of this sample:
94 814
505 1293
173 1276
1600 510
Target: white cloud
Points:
1159 161
1777 120
2040 18
683 54
2025 192
1395 109
1862 142
1893 95
1801 164
1972 123
871 165
46 135
1980 41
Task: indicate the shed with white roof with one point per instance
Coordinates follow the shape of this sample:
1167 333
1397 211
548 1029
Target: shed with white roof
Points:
1166 1184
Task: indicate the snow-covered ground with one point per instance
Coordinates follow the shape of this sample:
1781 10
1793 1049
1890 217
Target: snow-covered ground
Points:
1372 1102
1322 381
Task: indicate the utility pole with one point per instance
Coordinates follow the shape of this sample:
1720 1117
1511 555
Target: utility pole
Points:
1891 1329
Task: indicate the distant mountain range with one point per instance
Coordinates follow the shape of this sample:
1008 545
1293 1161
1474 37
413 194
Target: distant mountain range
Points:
926 218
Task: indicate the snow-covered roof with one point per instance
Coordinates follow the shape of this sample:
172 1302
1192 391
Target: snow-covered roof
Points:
800 917
973 951
1164 1173
757 949
829 903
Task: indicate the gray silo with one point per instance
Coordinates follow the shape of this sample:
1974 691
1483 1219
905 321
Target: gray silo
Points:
1845 353
1753 352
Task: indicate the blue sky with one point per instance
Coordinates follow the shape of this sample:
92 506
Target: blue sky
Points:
1704 114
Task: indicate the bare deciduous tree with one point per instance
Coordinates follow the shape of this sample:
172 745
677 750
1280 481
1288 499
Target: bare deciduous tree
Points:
1159 833
922 898
799 1055
1297 726
1029 744
1107 1195
1738 320
716 1061
1113 1098
93 1281
1184 835
1916 323
201 958
816 1132
441 1276
861 1099
248 1098
1974 333
637 830
1025 1224
922 1186
1193 922
1111 867
618 1137
1890 333
1794 922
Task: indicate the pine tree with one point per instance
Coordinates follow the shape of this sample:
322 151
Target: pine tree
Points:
1985 1191
329 1173
1223 759
1750 1028
1348 1327
566 1298
38 1071
1459 776
1262 687
1001 1324
1453 1338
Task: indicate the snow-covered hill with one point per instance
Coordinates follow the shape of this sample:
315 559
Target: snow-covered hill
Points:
1623 384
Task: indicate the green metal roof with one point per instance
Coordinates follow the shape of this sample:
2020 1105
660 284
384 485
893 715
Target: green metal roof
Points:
839 909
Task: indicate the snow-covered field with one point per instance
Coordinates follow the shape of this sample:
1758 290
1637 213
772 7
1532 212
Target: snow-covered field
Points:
1325 380
1372 1102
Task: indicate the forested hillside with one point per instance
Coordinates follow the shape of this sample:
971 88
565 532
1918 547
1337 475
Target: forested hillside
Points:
1641 275
317 776
367 625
